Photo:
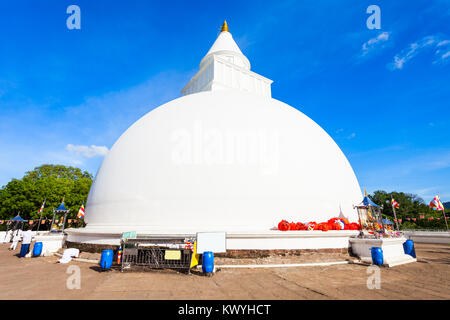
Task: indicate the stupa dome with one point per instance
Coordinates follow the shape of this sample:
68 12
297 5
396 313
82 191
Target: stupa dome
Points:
226 156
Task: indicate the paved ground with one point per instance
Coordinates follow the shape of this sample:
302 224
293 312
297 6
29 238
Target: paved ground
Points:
41 278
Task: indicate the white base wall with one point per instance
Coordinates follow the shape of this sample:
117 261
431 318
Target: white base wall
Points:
50 243
266 240
429 236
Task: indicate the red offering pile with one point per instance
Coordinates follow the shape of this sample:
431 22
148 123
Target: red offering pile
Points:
332 224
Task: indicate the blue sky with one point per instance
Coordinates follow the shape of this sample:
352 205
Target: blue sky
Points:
383 95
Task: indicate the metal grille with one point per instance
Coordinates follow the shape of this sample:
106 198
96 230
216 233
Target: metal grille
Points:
151 253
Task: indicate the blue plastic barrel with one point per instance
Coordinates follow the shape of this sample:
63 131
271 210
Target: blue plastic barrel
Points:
106 259
208 262
377 256
37 249
408 246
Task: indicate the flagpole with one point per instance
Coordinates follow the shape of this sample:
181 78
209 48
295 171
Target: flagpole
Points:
443 212
445 219
395 215
40 217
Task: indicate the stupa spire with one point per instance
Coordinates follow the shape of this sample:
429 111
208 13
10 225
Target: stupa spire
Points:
226 68
224 26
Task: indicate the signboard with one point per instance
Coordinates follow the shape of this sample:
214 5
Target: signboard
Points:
129 235
172 255
211 241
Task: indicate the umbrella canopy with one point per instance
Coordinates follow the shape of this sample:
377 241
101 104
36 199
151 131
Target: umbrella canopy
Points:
17 218
367 202
386 221
61 208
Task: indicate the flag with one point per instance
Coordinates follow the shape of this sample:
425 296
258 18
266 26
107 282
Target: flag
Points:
422 217
400 220
394 204
414 219
81 212
42 207
436 204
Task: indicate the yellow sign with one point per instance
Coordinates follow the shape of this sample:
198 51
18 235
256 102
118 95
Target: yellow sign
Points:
195 256
172 255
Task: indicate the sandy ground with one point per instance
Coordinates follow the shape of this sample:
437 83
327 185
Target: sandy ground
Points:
42 278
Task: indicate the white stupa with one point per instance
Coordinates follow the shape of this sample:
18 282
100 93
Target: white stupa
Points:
225 156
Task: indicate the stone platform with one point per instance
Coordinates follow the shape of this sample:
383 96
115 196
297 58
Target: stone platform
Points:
393 252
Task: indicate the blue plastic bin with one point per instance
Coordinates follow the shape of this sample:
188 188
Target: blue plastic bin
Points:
37 249
106 259
377 256
208 262
408 246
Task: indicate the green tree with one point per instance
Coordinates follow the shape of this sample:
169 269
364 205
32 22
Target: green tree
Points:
411 206
50 182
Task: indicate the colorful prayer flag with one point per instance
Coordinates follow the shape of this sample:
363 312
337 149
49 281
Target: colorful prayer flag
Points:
42 207
436 204
394 204
81 212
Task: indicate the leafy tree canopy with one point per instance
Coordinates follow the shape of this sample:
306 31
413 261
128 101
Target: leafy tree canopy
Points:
50 182
411 206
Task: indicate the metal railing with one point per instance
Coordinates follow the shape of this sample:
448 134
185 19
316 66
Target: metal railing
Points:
164 253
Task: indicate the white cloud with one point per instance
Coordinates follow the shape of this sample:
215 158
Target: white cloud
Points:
443 43
411 51
443 52
351 136
87 151
375 43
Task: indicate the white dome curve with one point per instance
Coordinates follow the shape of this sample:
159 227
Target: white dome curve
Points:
221 161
